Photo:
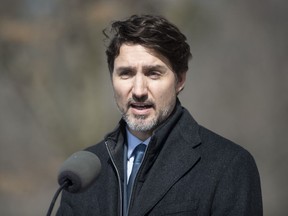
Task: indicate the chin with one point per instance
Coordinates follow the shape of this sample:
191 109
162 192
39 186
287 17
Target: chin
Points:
141 125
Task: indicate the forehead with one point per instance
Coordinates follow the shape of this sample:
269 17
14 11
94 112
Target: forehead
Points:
137 55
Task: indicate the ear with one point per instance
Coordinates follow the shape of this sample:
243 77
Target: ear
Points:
181 78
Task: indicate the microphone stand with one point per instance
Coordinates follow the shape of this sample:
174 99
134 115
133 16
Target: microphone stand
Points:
65 184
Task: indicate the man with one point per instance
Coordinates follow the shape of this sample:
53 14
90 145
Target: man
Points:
186 169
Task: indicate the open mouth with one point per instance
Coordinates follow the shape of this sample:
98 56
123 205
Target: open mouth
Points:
141 106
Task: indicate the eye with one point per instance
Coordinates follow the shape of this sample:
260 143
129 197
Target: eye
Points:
154 74
125 74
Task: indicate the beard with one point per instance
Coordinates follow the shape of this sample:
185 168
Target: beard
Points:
140 122
143 123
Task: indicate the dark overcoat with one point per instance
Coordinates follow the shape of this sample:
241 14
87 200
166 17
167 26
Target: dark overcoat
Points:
186 170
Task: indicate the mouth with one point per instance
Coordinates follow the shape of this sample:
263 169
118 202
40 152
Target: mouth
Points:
141 106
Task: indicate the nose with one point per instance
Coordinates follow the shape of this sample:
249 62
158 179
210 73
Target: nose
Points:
139 91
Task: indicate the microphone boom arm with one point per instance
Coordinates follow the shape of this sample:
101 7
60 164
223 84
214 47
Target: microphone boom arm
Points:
65 184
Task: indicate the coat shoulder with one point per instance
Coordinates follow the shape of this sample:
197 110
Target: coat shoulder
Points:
98 149
217 146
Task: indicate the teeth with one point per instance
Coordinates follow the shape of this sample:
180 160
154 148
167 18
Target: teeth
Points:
140 106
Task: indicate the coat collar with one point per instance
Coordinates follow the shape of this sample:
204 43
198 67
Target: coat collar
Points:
170 154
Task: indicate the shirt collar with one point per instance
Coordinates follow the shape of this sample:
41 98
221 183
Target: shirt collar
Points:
133 141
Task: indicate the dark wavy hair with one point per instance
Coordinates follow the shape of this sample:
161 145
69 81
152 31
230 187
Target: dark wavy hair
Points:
153 32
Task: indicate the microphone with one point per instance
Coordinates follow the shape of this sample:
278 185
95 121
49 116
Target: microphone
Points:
77 173
79 170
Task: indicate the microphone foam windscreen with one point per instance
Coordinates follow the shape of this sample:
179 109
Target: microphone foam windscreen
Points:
80 170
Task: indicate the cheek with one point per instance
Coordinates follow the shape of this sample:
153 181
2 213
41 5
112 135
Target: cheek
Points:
120 92
117 95
165 94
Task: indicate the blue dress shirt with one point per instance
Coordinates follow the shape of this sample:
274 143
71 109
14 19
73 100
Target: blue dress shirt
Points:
133 141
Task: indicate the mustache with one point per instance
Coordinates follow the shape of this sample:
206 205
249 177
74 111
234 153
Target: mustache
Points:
136 101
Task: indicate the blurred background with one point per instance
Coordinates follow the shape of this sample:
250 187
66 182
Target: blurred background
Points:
56 98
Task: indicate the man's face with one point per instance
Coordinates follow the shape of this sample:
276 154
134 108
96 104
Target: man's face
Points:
145 88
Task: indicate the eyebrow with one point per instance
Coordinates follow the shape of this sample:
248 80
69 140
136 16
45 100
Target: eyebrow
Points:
123 68
145 68
154 67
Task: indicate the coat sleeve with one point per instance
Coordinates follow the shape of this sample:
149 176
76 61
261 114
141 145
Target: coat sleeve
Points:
239 192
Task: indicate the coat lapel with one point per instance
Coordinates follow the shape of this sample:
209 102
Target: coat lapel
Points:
160 180
177 157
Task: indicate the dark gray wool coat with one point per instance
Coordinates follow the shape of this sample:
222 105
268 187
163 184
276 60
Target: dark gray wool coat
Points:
186 170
